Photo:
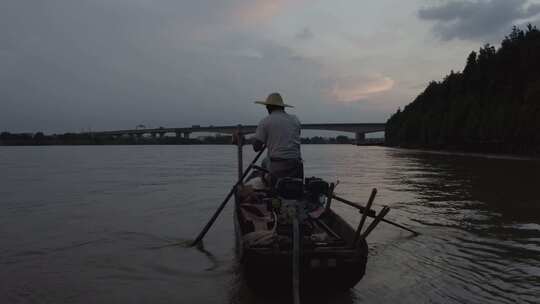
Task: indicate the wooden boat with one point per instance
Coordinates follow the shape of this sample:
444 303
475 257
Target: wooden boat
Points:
287 231
288 235
332 254
329 260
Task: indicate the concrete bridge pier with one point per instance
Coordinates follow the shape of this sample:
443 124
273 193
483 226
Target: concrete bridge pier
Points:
135 137
360 138
153 135
180 134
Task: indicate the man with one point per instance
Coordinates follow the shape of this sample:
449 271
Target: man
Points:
280 132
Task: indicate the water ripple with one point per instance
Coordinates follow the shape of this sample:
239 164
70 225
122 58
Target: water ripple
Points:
107 224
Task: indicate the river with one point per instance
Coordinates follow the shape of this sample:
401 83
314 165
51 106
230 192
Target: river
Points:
98 224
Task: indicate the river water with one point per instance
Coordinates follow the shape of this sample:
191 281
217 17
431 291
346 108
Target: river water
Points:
98 224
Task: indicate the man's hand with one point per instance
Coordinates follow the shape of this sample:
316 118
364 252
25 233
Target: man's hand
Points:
257 145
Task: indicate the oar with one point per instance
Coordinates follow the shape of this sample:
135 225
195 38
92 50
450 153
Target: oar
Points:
371 213
362 209
400 226
225 201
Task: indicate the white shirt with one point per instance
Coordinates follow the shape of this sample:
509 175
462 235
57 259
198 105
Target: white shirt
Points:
281 134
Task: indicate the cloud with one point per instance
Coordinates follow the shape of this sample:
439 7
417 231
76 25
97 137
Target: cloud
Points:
473 20
305 34
248 53
258 11
351 89
115 64
108 64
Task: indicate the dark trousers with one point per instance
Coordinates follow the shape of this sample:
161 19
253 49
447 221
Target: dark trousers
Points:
286 168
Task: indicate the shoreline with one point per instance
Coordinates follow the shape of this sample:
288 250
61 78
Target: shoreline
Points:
163 144
488 155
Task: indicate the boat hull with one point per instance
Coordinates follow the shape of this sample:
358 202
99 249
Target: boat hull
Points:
329 268
317 270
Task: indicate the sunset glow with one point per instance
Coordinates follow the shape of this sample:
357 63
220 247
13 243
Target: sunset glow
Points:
351 92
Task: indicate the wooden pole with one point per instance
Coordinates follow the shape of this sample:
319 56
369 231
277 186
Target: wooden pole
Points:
361 209
400 226
371 213
364 215
329 195
296 256
225 201
375 222
239 145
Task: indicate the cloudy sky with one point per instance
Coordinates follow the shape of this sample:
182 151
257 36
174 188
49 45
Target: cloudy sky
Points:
69 65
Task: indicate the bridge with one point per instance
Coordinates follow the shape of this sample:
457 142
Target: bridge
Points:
359 129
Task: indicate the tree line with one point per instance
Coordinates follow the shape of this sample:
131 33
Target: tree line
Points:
39 138
493 105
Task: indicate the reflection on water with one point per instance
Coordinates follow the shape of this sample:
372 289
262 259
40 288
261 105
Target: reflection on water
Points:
481 224
108 224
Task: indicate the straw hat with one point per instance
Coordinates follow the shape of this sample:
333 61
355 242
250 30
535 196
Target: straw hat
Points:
274 99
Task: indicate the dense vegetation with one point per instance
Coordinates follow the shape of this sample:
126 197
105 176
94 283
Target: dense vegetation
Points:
492 106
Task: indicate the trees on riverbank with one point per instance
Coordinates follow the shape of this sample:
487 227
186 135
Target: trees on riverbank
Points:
34 139
493 105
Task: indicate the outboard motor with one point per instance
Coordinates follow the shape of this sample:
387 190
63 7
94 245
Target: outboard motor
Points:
315 188
290 188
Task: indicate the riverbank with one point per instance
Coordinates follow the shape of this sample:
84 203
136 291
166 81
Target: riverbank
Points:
484 153
489 107
68 139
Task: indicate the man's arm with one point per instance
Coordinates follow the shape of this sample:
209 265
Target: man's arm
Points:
257 145
260 136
